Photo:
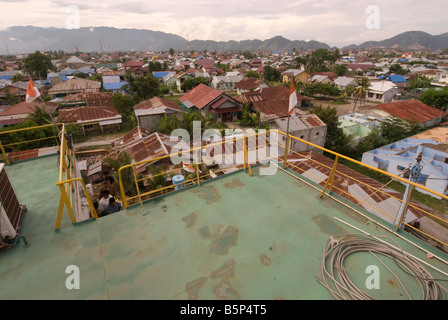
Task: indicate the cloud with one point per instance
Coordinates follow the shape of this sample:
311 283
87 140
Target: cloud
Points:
336 22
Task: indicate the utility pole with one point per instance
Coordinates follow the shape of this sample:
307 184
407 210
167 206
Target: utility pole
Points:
414 173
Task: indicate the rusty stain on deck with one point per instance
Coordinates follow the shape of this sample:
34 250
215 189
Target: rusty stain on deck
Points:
225 291
194 286
327 225
205 232
265 260
235 183
226 271
208 193
222 242
191 219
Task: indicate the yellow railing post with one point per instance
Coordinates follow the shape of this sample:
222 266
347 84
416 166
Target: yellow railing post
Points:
285 159
330 178
4 154
123 195
246 155
197 168
64 200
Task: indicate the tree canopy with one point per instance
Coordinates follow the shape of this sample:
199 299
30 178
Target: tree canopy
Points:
435 98
38 64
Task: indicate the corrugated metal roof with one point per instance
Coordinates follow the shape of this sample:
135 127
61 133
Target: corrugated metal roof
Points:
350 184
157 102
87 114
201 95
74 85
411 110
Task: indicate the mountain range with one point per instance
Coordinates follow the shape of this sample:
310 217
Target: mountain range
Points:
27 39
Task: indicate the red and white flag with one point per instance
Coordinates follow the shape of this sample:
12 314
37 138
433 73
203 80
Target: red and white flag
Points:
292 98
188 168
31 92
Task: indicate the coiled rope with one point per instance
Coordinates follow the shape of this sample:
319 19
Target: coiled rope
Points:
336 279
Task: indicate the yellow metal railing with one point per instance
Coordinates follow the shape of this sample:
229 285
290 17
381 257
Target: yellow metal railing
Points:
327 188
67 182
8 154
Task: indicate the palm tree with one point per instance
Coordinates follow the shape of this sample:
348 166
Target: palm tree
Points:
129 77
363 86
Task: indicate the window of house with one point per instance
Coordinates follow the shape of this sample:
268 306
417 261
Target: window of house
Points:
88 126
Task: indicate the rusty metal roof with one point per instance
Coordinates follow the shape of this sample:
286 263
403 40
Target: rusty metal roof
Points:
411 110
346 180
87 114
201 95
157 102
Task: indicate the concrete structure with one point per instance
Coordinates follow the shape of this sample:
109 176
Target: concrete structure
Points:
358 125
307 127
382 91
395 158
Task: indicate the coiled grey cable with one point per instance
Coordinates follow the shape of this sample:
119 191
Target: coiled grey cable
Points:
338 282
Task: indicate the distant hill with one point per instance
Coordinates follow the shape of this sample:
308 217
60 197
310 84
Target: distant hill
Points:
29 39
412 40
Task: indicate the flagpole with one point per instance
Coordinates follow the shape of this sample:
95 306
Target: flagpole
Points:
292 105
287 143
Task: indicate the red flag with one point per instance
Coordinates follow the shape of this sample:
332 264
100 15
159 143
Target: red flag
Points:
292 98
31 92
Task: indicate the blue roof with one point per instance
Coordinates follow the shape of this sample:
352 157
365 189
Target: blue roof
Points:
7 77
397 78
114 85
160 74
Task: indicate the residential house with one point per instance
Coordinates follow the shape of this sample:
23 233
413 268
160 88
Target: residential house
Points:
19 112
250 84
412 111
441 79
382 91
179 79
360 68
72 86
92 119
296 74
87 99
397 158
318 78
308 127
344 82
210 101
398 80
150 112
271 102
225 83
358 126
19 89
112 81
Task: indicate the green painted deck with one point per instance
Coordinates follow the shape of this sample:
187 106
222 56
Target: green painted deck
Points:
236 237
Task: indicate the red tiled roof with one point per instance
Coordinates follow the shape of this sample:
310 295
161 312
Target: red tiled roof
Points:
201 95
411 110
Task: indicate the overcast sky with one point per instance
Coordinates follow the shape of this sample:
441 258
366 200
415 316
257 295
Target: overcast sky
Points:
335 22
